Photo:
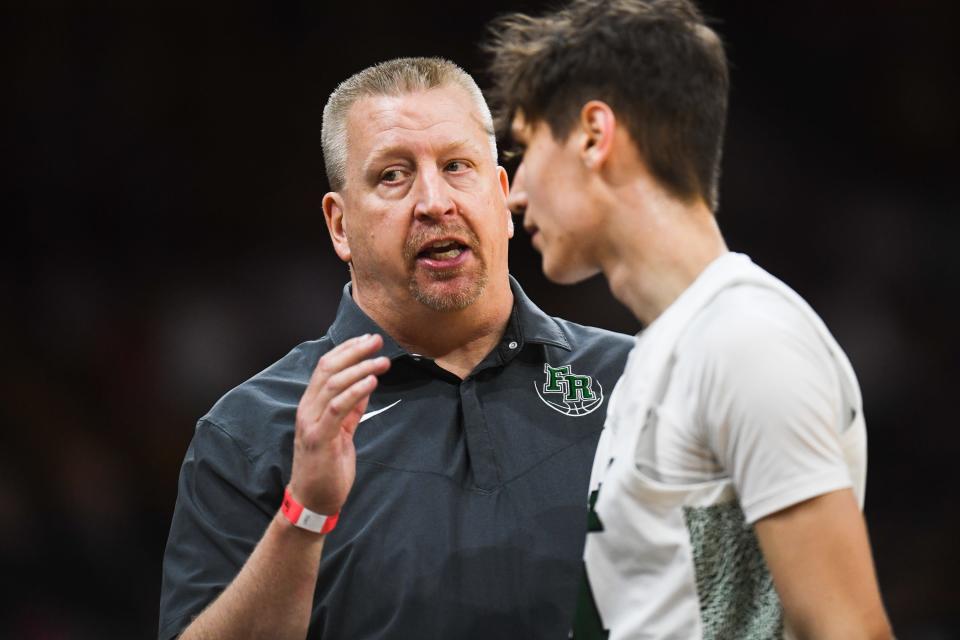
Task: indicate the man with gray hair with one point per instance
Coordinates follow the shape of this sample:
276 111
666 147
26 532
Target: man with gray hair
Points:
455 511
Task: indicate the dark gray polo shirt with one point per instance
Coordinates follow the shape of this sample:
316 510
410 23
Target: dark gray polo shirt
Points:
468 514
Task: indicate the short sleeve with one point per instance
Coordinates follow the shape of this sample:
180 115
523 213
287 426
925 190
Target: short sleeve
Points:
221 513
771 404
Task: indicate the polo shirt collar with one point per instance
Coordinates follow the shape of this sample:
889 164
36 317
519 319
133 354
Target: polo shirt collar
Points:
527 324
531 323
351 321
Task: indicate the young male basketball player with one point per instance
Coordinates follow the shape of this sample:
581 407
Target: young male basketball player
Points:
726 492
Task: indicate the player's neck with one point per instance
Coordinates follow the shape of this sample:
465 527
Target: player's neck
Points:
456 340
658 247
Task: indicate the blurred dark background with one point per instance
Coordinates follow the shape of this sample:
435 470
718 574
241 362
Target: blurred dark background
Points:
162 241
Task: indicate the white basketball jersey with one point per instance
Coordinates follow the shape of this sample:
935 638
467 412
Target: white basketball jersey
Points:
735 403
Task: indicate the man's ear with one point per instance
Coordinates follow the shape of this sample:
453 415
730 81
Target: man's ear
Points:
598 126
505 189
333 214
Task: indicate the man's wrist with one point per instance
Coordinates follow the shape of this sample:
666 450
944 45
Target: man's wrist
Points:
299 516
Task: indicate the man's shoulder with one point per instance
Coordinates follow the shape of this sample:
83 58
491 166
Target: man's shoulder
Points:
262 408
596 344
586 336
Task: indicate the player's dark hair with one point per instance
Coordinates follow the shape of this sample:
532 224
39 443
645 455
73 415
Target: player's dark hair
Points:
655 62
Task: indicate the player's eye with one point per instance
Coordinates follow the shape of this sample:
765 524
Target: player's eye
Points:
512 158
514 154
456 166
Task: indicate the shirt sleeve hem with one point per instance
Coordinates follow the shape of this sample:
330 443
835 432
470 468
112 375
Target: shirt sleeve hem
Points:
795 493
174 627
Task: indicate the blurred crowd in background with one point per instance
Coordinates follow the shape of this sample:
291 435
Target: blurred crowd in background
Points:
163 240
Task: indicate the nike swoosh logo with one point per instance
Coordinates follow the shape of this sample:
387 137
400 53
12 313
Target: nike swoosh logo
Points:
370 414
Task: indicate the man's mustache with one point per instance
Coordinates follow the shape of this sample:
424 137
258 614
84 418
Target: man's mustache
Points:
424 236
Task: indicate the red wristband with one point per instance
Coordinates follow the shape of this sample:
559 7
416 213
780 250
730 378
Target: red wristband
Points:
302 517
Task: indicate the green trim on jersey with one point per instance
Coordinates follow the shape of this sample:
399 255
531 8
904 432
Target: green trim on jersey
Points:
587 624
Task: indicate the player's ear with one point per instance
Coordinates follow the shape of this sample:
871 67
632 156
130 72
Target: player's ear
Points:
598 125
333 214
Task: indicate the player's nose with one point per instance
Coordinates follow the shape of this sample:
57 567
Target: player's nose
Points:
517 200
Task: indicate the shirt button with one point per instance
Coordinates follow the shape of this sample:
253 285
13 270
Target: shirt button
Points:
513 344
416 357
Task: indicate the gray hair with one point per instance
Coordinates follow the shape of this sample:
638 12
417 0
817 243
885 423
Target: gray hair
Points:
391 78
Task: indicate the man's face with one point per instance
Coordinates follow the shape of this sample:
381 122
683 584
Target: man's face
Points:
549 188
424 203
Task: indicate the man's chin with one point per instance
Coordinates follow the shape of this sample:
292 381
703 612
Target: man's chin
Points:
454 294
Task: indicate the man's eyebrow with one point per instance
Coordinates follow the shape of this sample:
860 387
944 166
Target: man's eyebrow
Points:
401 150
386 152
380 155
464 143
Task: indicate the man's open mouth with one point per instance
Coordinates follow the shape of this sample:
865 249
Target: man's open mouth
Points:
442 250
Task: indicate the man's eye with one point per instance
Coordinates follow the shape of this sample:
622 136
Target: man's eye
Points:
390 175
456 165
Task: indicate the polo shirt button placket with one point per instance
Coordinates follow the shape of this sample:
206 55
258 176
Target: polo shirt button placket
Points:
483 459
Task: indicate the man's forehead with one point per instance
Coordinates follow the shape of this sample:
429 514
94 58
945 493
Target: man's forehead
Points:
415 111
437 121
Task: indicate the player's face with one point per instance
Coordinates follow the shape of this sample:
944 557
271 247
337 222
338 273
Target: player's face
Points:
424 203
549 189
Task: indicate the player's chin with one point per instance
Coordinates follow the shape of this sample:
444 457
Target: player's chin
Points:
564 269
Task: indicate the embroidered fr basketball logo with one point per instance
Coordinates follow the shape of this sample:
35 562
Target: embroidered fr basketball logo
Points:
569 393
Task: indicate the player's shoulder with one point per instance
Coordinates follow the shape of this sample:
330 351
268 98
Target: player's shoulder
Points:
262 409
752 328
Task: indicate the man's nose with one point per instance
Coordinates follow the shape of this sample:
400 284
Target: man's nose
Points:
517 200
432 195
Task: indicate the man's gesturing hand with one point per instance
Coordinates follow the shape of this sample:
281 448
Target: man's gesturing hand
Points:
324 459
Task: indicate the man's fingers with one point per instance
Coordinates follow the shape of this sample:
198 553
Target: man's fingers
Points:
343 355
347 353
313 404
336 383
328 418
342 383
346 402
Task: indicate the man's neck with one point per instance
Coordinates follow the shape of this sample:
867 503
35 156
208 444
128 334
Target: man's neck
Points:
457 340
657 247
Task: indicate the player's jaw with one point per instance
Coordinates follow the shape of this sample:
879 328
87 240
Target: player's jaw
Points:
563 251
519 202
536 237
